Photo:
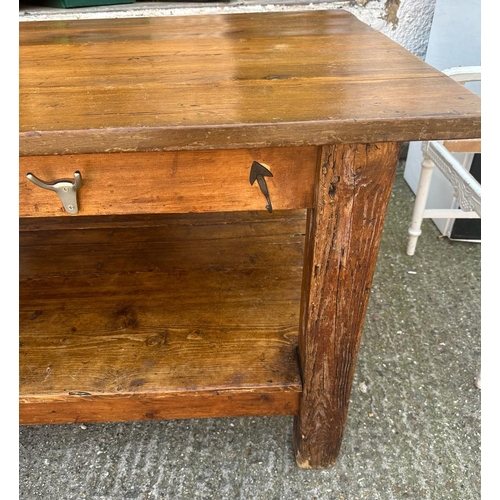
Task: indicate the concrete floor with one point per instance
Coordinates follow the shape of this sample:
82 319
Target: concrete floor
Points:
414 427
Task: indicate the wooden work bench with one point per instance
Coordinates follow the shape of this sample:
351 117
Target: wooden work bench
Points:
211 192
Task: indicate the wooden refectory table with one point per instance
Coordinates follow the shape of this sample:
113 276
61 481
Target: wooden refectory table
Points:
201 205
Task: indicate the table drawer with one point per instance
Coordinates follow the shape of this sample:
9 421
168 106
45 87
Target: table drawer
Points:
170 182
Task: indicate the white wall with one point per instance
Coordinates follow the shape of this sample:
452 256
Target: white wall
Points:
412 27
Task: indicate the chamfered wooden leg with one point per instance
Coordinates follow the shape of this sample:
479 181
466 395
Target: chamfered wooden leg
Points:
343 235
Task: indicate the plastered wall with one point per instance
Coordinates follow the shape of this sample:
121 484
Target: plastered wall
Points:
408 22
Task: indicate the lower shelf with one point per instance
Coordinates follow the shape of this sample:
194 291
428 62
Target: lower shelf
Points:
159 317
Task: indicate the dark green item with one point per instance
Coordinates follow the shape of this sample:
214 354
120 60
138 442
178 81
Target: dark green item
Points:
66 4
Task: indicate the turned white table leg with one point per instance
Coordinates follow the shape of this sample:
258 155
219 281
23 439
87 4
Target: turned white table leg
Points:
419 206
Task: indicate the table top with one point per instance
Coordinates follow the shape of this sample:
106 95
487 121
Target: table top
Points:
228 81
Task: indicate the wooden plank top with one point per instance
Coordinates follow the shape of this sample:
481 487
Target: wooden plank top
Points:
228 81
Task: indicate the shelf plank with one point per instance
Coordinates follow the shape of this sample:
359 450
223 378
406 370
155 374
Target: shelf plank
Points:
154 244
201 319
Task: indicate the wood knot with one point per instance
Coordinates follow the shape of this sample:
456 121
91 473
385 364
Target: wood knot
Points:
125 317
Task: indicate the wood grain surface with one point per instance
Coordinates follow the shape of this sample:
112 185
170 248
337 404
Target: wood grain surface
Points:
228 81
343 237
129 313
182 317
170 182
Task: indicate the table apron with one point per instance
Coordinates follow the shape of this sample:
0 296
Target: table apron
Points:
171 182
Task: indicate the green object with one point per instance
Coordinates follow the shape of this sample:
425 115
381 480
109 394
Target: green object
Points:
66 4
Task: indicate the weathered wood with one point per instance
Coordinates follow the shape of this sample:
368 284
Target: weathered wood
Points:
154 244
463 146
342 241
83 408
228 82
172 337
171 182
157 317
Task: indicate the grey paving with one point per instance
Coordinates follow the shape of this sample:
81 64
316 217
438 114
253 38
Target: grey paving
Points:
414 425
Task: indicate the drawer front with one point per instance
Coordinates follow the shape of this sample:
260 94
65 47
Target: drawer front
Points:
171 182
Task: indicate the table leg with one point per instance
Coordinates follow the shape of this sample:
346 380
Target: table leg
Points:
343 234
